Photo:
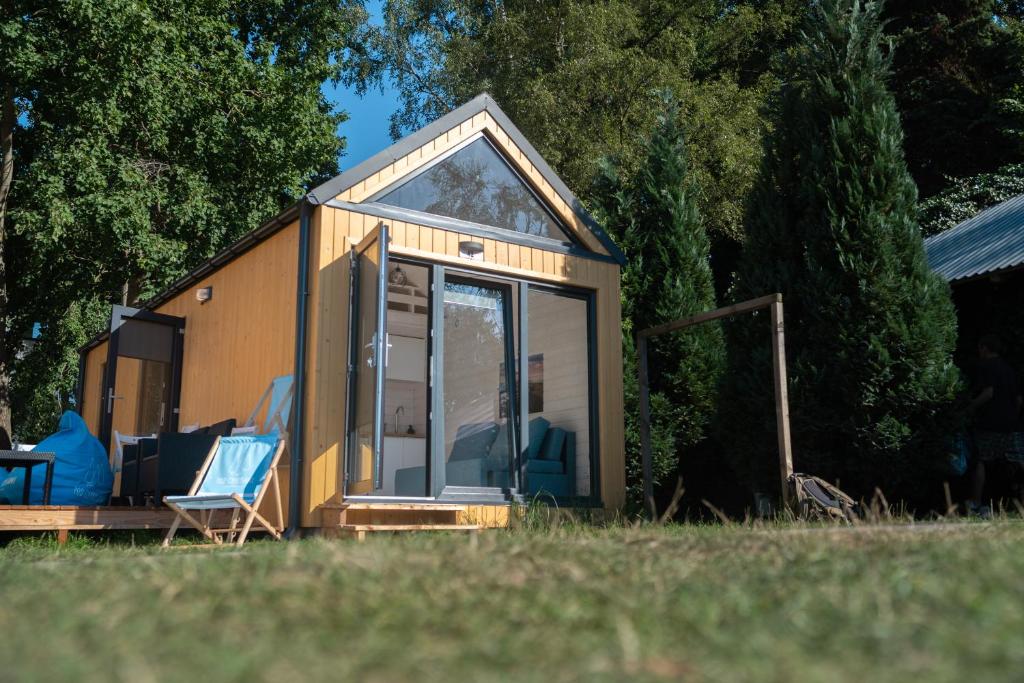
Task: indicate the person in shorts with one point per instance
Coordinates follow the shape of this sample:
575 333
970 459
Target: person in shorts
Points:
996 407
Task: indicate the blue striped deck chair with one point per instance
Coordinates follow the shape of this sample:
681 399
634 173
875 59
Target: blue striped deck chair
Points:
236 475
278 400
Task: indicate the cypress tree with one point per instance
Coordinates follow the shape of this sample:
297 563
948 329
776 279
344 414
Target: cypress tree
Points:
832 225
654 218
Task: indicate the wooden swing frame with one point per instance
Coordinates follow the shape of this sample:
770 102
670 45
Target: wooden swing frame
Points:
773 302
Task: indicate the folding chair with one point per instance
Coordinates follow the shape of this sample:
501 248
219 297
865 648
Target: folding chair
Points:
235 476
279 408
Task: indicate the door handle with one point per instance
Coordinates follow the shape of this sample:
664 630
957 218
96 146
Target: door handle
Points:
110 399
371 359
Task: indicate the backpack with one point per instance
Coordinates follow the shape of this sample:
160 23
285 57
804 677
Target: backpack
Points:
816 499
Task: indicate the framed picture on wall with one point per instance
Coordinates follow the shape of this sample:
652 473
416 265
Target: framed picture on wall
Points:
534 386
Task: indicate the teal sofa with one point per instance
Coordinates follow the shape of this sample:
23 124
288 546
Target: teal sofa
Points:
480 457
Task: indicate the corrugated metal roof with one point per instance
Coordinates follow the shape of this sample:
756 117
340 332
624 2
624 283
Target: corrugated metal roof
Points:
993 240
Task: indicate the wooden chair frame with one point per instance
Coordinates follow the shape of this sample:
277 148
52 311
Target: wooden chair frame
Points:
205 522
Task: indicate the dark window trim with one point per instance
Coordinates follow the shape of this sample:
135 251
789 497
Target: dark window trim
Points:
463 227
490 142
435 445
509 291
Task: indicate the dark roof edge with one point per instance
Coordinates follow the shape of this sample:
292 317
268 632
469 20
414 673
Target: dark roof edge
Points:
984 275
483 102
221 258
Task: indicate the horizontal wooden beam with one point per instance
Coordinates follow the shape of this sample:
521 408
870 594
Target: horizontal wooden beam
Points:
51 517
707 316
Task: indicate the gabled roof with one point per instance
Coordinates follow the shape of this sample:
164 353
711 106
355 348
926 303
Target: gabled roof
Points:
482 103
328 190
989 242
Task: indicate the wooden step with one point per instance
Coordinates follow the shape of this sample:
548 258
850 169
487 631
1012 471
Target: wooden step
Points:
359 531
426 507
410 527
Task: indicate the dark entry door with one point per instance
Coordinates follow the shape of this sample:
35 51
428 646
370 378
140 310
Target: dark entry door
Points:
142 381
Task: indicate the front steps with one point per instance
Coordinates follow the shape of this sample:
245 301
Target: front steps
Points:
356 520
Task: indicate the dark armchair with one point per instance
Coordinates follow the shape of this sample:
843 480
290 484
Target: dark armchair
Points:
171 469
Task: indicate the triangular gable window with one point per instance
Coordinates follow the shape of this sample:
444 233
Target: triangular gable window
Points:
475 184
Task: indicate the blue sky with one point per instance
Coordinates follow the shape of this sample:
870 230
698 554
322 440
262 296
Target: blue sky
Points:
367 127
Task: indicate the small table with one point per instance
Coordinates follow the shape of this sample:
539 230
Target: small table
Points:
28 460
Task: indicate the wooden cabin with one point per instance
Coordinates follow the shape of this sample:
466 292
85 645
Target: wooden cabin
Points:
450 315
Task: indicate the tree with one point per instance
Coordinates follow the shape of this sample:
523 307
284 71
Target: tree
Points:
580 78
139 139
959 86
654 218
870 330
967 197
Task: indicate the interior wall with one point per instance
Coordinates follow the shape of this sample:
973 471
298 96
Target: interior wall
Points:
92 387
126 407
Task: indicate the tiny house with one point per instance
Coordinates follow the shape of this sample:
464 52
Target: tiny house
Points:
450 315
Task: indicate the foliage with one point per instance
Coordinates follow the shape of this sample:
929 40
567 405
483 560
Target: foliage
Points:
967 197
148 137
581 78
654 218
959 86
869 328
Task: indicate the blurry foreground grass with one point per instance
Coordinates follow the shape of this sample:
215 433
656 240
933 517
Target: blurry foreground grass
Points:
935 603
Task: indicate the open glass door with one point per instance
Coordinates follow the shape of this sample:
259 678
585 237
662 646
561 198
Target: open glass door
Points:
369 348
142 380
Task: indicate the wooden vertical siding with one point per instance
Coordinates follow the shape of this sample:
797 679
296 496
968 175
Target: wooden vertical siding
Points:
335 232
235 344
244 336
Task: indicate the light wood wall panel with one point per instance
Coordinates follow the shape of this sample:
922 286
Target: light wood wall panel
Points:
335 232
92 387
485 123
236 343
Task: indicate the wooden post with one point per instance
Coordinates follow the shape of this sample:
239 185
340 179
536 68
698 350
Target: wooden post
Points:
645 425
781 398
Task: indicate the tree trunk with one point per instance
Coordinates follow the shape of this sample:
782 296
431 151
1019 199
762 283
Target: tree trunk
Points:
7 120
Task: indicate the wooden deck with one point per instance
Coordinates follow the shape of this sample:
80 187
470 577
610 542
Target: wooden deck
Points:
76 518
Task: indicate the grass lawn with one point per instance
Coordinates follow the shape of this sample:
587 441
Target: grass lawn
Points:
692 603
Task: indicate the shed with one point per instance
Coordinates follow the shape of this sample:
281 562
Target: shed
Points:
450 315
983 261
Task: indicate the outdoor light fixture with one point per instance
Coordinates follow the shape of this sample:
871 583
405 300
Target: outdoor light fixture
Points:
204 294
471 250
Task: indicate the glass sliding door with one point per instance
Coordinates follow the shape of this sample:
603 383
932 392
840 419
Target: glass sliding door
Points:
558 395
478 395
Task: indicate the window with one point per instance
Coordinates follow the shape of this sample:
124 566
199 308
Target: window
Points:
476 185
558 388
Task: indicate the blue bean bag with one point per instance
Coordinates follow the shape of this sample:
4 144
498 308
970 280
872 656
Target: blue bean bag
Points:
81 472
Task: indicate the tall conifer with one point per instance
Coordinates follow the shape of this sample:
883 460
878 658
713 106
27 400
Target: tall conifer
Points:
832 225
654 218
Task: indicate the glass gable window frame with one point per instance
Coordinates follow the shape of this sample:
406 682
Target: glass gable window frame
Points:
565 236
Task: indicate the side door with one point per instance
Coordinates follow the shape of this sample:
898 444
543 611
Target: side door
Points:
142 382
